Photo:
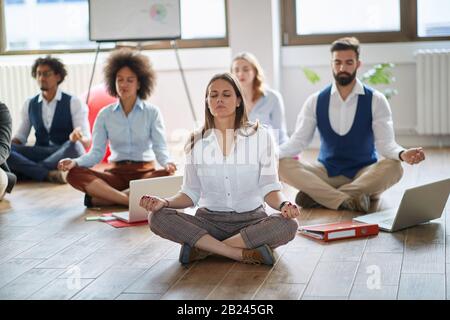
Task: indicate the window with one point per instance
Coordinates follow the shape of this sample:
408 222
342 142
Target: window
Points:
433 18
196 14
364 16
203 24
49 25
369 20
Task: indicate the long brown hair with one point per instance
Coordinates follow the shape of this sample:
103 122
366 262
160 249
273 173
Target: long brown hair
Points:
241 122
258 82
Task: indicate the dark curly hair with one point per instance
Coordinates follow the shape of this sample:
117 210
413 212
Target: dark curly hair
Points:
138 63
55 64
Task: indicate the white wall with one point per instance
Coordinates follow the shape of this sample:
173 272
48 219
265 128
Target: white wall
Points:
254 26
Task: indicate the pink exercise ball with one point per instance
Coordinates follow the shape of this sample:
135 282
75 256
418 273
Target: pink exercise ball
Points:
98 99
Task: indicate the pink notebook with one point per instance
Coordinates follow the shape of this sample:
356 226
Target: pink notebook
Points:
122 224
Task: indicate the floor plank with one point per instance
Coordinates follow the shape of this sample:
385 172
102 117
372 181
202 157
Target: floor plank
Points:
199 281
295 266
422 287
110 284
159 278
50 246
424 259
238 286
280 291
139 296
382 268
97 263
360 291
332 279
28 283
15 267
11 248
60 289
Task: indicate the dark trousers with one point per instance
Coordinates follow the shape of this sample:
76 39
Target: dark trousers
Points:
34 162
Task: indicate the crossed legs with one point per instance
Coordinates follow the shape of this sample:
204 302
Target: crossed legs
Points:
331 192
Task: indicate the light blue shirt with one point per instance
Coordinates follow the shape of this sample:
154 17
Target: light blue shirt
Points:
138 137
269 110
236 182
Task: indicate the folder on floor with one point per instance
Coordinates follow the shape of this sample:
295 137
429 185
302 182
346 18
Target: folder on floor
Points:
340 230
112 221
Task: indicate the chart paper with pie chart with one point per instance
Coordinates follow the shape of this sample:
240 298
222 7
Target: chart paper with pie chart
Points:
121 20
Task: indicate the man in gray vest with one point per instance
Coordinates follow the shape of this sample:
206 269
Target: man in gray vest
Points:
60 122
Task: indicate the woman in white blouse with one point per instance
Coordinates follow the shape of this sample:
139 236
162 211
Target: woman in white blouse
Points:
230 172
262 103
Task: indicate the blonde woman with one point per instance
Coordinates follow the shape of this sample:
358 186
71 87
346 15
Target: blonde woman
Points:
262 103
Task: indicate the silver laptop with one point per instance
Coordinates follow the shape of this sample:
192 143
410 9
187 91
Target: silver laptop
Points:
162 187
420 204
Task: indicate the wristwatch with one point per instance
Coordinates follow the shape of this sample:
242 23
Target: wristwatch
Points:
400 155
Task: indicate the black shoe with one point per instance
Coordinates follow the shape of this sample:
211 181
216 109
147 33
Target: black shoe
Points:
305 201
12 179
88 201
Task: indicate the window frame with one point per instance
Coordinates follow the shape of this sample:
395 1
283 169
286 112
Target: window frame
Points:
407 33
144 45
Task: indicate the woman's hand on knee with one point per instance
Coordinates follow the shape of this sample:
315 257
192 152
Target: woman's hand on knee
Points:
290 210
66 164
152 203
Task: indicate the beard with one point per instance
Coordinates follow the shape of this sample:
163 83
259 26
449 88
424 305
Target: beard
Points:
44 87
344 78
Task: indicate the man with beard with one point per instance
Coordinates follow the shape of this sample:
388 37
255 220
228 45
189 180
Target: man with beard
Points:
60 122
354 123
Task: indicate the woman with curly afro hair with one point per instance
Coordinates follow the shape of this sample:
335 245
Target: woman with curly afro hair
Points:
135 132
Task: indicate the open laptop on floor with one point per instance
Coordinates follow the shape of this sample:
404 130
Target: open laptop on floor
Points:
419 204
163 187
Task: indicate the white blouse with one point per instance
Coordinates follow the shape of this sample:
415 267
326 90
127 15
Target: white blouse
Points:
237 182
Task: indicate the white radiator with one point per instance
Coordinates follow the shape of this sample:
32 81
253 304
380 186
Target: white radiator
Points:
433 92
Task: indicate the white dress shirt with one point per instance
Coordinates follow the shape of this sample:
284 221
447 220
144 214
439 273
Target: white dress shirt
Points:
342 114
78 110
237 182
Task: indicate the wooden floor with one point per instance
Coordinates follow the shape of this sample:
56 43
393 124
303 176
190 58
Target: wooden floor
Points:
48 251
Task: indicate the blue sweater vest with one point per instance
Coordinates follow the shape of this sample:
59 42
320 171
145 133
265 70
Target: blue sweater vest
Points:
61 126
346 155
